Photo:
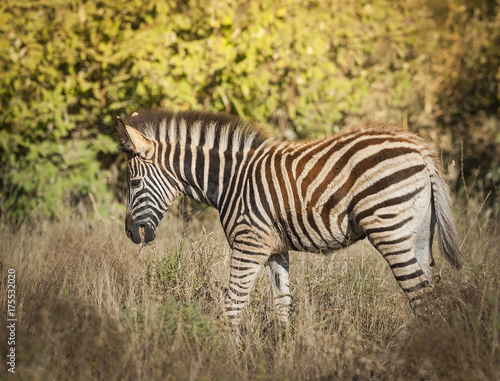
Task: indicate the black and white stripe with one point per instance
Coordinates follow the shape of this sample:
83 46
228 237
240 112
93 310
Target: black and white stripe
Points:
373 181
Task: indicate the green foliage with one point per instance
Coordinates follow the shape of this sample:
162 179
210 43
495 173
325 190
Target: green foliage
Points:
270 61
465 86
53 99
69 67
173 316
165 274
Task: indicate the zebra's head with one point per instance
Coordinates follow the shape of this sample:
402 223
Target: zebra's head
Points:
151 189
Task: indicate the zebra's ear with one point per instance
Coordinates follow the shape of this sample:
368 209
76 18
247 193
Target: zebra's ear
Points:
134 141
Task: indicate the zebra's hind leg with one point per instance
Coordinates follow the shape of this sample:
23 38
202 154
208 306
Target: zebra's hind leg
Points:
409 274
277 268
400 255
402 232
409 258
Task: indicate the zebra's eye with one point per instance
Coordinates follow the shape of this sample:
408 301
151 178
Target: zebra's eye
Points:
135 183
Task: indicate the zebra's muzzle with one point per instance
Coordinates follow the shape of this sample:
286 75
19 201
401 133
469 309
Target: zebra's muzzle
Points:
139 232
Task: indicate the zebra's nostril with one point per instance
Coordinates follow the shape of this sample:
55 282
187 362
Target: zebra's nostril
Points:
129 234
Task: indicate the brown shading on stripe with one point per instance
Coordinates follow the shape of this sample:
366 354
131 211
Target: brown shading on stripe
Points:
384 204
287 212
403 251
239 268
358 170
270 183
382 183
341 163
244 260
399 240
313 173
387 216
413 275
297 205
403 264
419 286
389 228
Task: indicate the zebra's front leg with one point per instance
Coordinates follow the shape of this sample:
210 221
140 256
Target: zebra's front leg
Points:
243 273
277 268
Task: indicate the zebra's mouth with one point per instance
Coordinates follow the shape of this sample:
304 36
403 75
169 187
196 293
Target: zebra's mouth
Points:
140 232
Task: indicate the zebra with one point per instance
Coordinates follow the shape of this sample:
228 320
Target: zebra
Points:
373 180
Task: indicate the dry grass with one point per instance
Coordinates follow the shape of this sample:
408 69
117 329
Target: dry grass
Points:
91 305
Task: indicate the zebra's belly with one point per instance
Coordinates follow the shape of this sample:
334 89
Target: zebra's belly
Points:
327 246
323 241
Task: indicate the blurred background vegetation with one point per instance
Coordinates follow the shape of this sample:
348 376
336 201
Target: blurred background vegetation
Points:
307 68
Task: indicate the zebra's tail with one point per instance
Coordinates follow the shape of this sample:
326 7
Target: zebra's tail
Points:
447 233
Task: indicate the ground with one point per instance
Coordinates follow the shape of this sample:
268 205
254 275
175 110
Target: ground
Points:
92 305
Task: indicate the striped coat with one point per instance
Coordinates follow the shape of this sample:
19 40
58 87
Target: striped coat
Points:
373 181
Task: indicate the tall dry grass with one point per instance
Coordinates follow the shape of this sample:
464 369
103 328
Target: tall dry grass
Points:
91 305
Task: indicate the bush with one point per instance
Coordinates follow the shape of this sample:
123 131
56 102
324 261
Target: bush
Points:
70 67
459 93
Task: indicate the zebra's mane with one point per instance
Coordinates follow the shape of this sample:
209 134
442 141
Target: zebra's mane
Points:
155 124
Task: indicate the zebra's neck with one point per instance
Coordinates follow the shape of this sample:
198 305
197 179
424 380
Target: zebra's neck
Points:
208 160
